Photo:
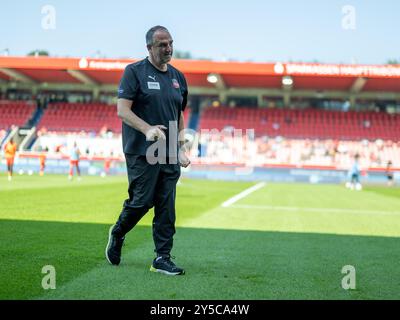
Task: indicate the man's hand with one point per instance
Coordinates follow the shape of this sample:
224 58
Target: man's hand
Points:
183 159
154 133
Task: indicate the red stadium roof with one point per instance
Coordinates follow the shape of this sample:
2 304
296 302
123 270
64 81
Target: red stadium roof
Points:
306 76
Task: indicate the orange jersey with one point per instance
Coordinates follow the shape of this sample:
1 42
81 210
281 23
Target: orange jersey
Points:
107 164
42 159
10 150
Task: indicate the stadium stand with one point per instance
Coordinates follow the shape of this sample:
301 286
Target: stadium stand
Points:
94 126
282 136
264 151
15 113
322 121
308 123
75 117
285 137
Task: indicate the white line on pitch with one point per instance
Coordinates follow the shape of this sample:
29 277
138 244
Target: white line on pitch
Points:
243 194
245 206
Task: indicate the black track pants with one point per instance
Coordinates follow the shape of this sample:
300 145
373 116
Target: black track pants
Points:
150 185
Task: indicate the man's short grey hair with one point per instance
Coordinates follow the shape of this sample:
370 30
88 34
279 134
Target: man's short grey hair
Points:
151 32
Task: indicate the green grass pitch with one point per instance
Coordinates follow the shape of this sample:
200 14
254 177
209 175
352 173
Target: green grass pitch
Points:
283 241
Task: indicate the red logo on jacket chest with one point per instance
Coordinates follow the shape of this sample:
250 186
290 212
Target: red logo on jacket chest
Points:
175 83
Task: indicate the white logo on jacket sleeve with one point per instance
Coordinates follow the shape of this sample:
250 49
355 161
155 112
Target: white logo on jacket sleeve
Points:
153 85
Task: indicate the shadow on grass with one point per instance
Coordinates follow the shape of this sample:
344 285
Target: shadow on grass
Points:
385 191
220 264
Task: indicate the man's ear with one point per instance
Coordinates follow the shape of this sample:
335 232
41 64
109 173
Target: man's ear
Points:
148 47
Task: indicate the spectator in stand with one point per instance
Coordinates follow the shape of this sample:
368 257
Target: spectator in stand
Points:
367 124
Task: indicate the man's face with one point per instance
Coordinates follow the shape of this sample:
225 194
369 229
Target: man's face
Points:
162 49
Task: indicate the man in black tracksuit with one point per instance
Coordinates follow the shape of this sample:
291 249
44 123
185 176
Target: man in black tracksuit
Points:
151 99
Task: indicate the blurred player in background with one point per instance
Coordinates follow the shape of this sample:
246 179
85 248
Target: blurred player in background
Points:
42 161
107 165
389 174
10 150
74 162
354 175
